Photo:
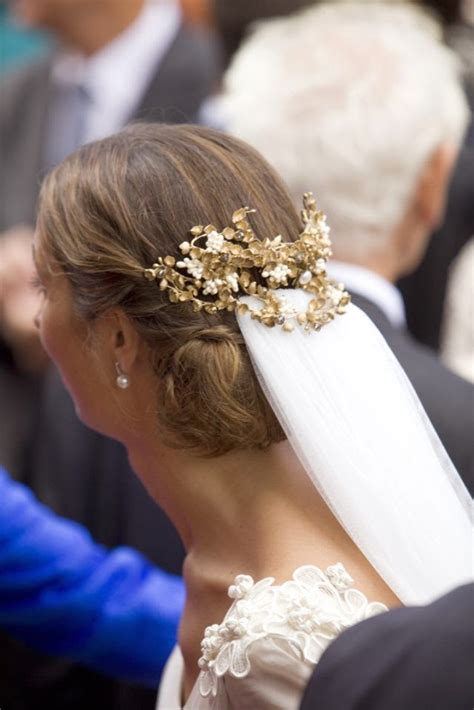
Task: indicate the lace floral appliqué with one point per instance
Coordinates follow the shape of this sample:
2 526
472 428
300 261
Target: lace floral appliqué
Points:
308 612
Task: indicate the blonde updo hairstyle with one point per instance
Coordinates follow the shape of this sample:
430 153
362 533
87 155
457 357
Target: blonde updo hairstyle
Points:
110 209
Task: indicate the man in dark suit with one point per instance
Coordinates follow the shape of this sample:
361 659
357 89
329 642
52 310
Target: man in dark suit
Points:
116 62
410 659
353 136
167 68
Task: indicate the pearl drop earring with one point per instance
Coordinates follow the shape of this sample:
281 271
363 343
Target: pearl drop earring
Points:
122 380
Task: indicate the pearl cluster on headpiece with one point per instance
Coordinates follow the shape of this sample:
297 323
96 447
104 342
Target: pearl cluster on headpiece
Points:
219 267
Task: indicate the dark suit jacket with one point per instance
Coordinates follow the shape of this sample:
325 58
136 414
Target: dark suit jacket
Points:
447 398
418 658
78 473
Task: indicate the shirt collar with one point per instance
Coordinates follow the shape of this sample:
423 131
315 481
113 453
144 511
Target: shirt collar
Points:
372 286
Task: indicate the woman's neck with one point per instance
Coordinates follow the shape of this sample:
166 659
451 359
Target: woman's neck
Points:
253 512
248 512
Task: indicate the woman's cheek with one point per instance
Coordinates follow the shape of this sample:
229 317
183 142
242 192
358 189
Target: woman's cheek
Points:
48 331
41 324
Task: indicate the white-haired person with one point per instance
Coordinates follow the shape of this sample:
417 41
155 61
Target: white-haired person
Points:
425 321
363 104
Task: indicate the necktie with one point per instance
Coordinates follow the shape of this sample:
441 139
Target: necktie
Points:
66 122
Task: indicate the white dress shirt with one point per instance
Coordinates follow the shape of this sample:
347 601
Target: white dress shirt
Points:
116 77
370 285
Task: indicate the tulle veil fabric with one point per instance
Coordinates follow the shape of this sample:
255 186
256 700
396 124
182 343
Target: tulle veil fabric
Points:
361 433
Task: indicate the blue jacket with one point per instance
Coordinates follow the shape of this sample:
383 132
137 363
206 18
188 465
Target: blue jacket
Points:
63 594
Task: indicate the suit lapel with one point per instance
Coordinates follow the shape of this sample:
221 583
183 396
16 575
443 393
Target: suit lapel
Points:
45 91
376 315
186 75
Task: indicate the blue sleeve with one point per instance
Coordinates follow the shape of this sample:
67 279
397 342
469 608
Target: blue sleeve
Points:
66 595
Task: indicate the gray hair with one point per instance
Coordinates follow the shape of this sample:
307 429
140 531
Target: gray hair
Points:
349 100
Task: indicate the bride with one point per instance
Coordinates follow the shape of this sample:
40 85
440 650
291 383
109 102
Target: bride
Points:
263 412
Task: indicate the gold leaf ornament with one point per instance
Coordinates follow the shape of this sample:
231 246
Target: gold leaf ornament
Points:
219 267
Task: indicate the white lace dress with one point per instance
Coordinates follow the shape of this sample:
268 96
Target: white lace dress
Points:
263 653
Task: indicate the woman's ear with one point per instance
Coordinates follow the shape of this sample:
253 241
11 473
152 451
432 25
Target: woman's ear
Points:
433 185
120 339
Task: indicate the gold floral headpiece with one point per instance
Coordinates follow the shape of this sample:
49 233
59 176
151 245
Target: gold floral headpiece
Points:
219 267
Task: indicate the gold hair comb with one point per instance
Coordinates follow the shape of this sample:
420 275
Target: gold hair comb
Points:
219 267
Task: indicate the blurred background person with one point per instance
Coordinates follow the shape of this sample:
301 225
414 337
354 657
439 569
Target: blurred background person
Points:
334 109
111 62
61 592
427 284
114 62
233 20
424 290
458 323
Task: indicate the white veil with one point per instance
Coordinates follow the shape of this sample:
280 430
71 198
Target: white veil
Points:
360 431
